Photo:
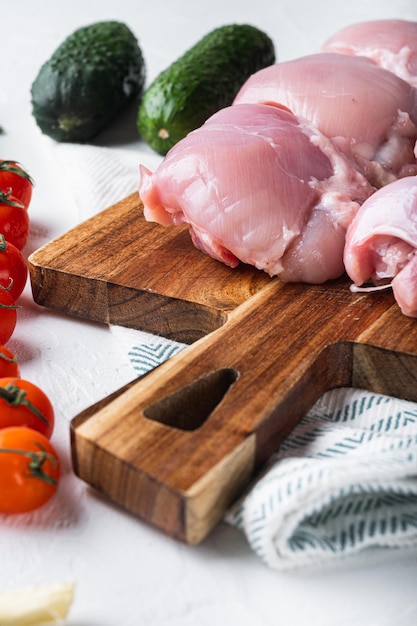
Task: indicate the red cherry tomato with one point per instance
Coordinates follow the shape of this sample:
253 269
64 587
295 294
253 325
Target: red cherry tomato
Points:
8 315
14 221
15 181
29 470
13 268
8 363
24 404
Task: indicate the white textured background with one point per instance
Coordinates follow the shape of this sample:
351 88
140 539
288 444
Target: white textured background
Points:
128 574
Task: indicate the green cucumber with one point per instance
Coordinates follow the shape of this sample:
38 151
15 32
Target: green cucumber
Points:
88 81
202 81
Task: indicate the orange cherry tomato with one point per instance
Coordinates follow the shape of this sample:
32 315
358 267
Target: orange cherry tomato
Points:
8 363
29 470
13 268
14 221
8 315
16 181
24 404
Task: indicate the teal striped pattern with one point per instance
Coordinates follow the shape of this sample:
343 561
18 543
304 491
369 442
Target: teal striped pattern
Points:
343 482
145 357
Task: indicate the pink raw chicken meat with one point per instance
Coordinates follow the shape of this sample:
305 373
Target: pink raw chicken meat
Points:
392 44
368 111
255 184
381 243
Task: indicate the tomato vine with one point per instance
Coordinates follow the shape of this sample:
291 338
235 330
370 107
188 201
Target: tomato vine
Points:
29 463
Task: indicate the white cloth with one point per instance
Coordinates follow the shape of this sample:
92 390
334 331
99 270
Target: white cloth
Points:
97 177
346 478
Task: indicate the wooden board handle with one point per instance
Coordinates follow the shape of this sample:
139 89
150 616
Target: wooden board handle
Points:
180 444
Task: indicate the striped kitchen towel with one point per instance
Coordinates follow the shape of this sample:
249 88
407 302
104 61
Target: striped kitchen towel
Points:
344 481
96 177
142 350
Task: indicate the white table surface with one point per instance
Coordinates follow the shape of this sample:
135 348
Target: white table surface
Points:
127 573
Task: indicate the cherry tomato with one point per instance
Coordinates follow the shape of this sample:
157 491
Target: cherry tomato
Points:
15 181
8 363
14 221
24 404
8 315
13 268
29 470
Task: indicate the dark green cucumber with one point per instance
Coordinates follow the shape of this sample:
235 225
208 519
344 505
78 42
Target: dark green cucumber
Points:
88 81
205 79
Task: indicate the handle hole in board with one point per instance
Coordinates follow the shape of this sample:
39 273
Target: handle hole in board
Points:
189 407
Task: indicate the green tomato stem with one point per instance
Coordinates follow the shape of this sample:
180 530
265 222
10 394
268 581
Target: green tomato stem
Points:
7 358
14 396
8 306
10 166
37 459
5 199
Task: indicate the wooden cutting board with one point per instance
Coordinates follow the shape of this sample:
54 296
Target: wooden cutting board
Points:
179 445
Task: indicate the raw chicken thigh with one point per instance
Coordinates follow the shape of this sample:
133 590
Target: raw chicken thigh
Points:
381 243
258 185
277 179
392 44
368 111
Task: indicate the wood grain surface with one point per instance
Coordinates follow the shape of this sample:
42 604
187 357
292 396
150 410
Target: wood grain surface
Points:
117 268
179 445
